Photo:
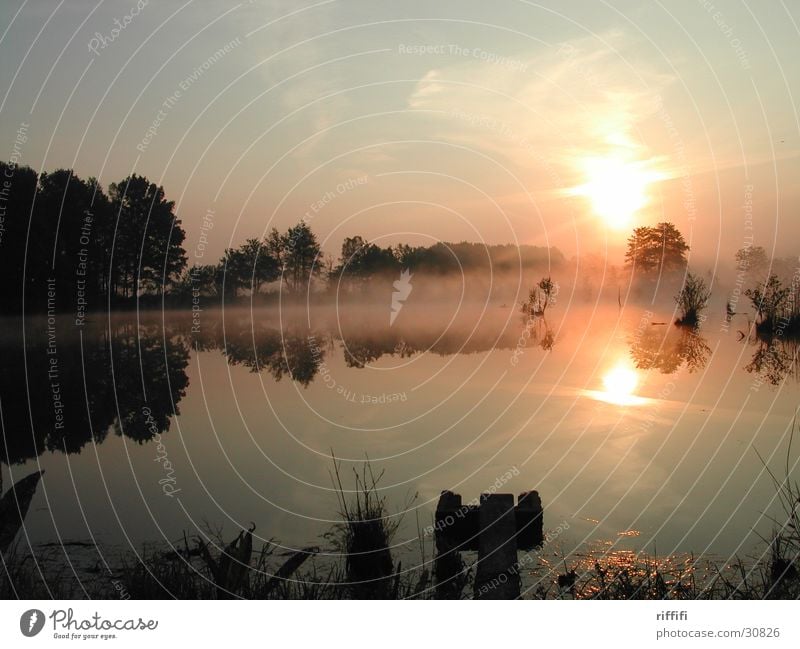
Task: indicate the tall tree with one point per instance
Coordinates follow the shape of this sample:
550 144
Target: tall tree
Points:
361 260
300 256
350 261
250 266
656 250
752 259
17 193
147 248
75 214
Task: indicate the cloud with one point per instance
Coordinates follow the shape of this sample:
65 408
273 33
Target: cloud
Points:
580 98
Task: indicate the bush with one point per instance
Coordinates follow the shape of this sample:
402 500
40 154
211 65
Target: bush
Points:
540 297
692 299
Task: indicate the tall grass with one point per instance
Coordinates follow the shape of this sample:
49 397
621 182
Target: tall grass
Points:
364 539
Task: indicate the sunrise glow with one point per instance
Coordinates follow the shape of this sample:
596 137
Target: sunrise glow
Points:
616 188
619 385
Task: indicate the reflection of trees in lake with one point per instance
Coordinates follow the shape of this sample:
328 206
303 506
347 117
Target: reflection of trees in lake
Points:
159 387
668 351
76 395
130 381
541 333
774 359
362 347
360 351
288 353
298 352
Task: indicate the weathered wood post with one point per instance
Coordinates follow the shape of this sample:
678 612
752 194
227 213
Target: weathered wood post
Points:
497 576
448 566
496 529
530 523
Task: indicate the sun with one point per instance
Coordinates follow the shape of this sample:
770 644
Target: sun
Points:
616 187
619 384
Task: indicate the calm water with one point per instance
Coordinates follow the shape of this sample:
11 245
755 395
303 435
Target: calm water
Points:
638 435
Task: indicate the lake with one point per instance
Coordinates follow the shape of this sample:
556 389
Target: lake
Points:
636 433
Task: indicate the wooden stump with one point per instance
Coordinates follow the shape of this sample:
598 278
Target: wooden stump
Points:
497 573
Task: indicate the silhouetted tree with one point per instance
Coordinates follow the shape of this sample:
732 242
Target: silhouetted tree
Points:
147 251
360 261
300 255
55 233
752 259
248 267
200 280
540 297
656 250
18 187
75 214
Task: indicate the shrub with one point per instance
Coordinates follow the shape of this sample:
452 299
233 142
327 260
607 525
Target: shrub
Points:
692 299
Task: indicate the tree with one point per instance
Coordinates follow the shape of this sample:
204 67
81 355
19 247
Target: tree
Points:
656 250
640 251
252 266
408 256
378 261
21 238
74 215
203 279
300 252
752 259
352 254
199 280
147 251
274 244
540 297
548 290
351 266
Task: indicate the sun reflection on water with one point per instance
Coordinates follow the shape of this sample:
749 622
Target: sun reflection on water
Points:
619 386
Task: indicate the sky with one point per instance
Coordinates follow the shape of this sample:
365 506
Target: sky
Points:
547 123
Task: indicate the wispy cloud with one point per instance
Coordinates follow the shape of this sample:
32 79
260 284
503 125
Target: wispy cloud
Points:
573 100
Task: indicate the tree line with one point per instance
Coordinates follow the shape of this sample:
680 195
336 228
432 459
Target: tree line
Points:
66 242
68 245
293 262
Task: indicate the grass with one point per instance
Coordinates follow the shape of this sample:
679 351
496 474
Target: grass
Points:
782 580
364 535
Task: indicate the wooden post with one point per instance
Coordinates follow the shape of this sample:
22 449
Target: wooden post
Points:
529 521
448 566
497 574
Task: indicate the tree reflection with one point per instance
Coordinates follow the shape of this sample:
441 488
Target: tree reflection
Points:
298 351
774 359
668 351
543 335
292 353
95 382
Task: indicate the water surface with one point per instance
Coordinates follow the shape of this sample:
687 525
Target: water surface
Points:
637 434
